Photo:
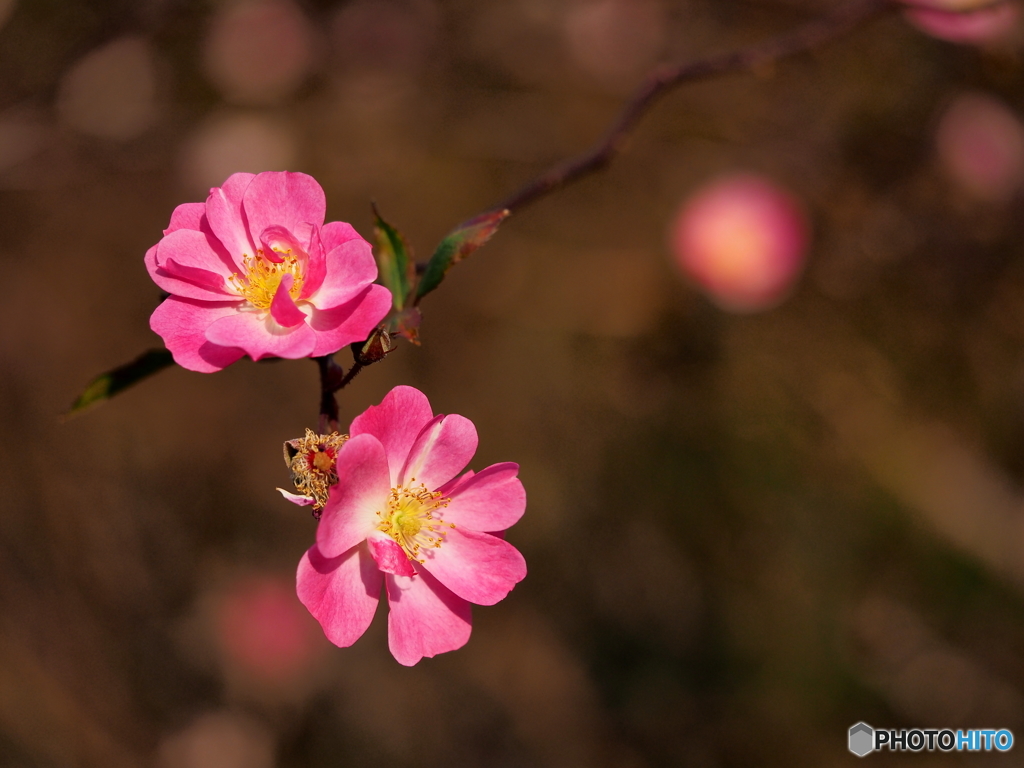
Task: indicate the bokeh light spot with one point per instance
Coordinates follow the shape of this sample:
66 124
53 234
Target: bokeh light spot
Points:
388 35
980 143
218 740
259 51
743 240
614 40
111 92
262 627
229 143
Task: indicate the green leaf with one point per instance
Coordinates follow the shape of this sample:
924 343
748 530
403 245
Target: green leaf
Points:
108 384
393 263
456 246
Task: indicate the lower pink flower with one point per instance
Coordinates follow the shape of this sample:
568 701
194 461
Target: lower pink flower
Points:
401 518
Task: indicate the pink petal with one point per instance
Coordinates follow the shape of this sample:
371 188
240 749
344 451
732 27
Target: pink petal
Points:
261 336
187 216
351 322
362 490
150 260
278 242
389 556
396 423
316 266
953 6
442 449
340 592
979 26
491 500
191 248
283 308
182 323
449 488
227 218
284 199
186 264
198 277
349 269
296 498
476 566
335 233
425 619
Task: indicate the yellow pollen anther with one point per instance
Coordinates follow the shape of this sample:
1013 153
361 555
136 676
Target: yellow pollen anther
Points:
262 278
413 519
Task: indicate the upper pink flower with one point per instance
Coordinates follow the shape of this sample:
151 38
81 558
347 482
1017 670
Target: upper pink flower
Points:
974 22
400 517
255 271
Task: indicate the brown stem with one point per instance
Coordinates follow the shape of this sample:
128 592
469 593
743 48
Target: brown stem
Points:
356 368
805 38
331 380
663 79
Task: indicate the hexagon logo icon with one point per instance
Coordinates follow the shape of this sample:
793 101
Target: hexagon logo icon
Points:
862 739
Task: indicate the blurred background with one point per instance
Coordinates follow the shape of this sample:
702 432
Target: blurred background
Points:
764 377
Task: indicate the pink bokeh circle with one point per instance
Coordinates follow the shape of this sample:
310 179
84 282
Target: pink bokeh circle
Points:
743 240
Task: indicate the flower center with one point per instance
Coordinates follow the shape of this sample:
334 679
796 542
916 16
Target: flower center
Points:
262 277
414 519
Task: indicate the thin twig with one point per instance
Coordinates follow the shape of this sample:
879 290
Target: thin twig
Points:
805 38
663 79
356 368
331 380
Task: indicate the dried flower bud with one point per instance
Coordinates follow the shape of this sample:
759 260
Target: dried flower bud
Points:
375 348
312 460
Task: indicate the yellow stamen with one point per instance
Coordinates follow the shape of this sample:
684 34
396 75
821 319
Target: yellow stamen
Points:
263 277
413 518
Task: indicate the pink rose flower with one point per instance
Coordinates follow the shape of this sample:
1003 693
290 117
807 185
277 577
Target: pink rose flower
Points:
401 518
255 271
965 21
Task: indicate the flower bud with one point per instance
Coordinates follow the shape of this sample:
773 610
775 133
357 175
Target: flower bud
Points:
375 348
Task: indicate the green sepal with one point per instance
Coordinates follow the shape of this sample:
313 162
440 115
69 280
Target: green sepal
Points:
406 324
108 384
456 246
394 266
